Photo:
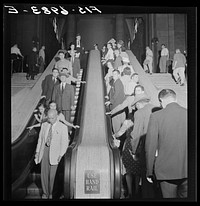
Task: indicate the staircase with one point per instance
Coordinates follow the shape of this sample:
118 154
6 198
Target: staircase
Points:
166 81
19 82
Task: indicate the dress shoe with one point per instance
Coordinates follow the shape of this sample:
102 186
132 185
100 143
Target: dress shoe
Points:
44 196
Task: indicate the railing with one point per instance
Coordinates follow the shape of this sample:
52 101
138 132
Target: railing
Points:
70 155
115 159
22 152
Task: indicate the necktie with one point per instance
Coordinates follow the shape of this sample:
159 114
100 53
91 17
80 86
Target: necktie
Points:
49 136
54 80
62 87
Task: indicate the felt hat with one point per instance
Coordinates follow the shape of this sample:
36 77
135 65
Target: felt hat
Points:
112 41
124 54
140 97
120 42
125 59
63 74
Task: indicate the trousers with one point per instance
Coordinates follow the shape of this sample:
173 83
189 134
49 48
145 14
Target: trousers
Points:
171 190
163 64
48 173
179 72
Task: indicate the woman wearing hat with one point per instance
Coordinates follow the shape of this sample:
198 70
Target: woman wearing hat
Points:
132 153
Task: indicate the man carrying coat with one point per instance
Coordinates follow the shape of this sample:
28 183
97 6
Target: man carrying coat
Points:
52 145
166 146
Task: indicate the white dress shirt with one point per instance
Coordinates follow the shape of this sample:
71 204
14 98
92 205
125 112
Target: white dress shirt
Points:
164 52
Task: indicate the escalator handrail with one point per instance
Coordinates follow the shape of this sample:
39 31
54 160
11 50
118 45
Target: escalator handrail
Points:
115 152
16 146
70 154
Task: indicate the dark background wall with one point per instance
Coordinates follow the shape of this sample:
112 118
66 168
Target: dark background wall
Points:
170 29
180 31
97 29
24 27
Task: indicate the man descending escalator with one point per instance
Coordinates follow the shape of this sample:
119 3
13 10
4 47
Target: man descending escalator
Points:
52 145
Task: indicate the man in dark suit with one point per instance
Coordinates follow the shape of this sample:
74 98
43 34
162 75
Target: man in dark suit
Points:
63 95
116 98
166 146
32 64
48 84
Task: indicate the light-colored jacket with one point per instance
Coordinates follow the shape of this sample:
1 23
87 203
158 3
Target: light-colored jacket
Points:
59 142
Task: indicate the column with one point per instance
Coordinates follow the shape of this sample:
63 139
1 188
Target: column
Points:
119 27
71 29
171 35
154 41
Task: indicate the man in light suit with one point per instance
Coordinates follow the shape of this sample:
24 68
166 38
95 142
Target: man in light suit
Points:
163 59
52 145
166 146
48 84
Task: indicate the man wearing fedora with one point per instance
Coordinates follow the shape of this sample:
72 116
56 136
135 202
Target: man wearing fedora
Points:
48 84
63 95
167 134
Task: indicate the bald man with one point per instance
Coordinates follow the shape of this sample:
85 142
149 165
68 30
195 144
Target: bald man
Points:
52 145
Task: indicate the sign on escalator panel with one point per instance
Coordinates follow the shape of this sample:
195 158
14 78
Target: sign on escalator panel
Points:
92 182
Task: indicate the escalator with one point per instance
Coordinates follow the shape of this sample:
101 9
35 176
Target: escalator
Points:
92 167
25 174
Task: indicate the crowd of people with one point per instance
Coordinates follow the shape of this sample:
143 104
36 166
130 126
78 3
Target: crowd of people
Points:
35 62
53 116
154 148
178 63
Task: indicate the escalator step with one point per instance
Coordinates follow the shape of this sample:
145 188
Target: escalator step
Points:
33 189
